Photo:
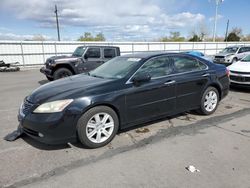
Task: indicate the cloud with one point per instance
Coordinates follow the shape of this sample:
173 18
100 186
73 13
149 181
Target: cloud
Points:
142 18
219 17
17 37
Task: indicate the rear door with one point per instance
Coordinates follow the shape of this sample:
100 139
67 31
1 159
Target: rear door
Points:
191 78
109 53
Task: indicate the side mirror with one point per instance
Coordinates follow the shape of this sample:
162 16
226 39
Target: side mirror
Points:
140 78
86 56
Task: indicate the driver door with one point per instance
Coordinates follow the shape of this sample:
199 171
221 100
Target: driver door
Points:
92 59
155 97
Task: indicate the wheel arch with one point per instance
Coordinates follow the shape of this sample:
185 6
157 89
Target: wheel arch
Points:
216 86
58 66
113 107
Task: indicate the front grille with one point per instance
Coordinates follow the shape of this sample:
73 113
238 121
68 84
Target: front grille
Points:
27 106
31 132
240 78
237 72
219 57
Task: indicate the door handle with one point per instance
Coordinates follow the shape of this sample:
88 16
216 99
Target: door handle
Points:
206 74
170 82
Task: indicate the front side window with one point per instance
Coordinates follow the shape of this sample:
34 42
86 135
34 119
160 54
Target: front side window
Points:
79 51
157 67
186 64
93 53
109 53
242 50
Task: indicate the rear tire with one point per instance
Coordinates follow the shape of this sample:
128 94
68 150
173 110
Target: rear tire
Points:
209 101
62 73
97 127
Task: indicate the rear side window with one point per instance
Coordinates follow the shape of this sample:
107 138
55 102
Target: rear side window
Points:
186 64
94 53
109 53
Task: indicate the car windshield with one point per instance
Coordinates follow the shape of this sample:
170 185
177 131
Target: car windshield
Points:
246 59
115 68
79 51
230 50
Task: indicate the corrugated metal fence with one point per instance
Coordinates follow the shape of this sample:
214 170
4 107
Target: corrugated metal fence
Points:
35 53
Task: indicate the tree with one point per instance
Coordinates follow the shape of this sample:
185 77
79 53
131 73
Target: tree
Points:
88 37
100 37
234 35
175 36
195 38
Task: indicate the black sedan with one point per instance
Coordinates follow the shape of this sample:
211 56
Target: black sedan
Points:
123 92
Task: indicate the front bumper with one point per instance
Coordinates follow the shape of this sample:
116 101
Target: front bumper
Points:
54 128
46 71
239 79
224 61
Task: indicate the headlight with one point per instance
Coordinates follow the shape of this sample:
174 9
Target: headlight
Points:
229 56
51 107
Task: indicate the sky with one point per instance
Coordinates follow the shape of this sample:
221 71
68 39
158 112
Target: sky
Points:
118 20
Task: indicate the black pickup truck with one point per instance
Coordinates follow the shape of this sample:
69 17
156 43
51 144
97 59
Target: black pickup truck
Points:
83 59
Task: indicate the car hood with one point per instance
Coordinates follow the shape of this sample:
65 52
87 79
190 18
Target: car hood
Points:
240 66
224 54
59 59
67 88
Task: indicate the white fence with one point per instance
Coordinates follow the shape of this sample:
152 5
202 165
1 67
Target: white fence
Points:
35 53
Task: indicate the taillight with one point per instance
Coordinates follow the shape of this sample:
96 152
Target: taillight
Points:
227 72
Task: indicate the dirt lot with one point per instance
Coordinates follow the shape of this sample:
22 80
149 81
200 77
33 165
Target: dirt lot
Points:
152 155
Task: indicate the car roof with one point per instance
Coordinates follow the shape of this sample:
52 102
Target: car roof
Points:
236 46
148 54
99 46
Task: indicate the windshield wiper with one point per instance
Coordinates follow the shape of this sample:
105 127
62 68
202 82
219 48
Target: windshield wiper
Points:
96 76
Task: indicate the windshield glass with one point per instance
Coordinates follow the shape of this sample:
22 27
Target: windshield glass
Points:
230 50
246 59
79 51
115 68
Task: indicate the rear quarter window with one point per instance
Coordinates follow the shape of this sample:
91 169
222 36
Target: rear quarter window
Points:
109 53
187 64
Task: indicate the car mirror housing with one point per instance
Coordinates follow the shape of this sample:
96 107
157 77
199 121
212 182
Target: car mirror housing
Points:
86 56
140 78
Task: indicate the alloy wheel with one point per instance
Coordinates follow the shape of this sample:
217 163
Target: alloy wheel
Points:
211 100
100 127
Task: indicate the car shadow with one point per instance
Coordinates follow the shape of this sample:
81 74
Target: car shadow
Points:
152 122
240 89
42 82
42 146
36 144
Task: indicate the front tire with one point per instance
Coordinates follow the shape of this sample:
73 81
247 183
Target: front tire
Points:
209 101
234 60
49 78
97 127
62 73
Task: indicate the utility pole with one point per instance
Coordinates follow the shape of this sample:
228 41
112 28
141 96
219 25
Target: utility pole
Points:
217 2
227 30
57 24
